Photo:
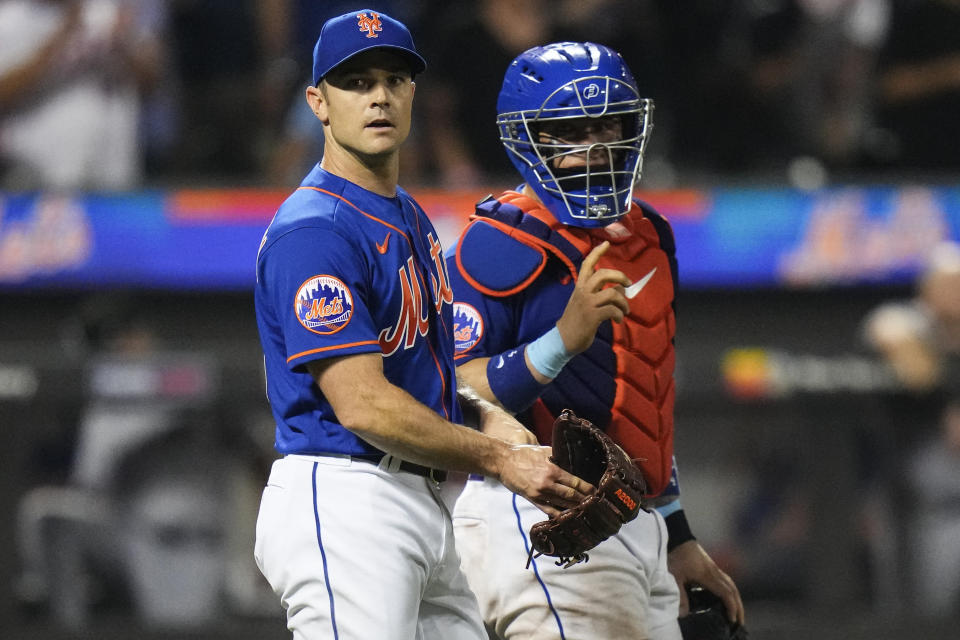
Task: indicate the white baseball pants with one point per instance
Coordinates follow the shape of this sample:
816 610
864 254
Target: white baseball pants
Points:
623 591
356 552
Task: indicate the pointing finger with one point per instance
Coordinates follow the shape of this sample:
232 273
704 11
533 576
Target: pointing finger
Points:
590 262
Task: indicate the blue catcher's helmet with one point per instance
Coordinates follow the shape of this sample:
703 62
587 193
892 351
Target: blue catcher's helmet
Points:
568 81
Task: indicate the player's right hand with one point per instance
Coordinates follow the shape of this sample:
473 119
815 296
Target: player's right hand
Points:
528 471
593 302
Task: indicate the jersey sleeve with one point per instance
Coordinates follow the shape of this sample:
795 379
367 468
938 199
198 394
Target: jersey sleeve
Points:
483 325
318 283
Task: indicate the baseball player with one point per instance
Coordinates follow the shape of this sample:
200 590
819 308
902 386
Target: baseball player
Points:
354 310
564 298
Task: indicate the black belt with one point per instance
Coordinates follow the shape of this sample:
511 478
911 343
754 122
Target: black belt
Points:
437 475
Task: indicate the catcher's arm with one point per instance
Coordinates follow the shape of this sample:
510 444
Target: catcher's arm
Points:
687 560
515 378
489 418
690 564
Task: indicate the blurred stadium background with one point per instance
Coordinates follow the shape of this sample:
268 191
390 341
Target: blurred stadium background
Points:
806 152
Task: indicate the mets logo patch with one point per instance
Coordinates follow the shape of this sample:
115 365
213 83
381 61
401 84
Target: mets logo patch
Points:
371 24
467 327
323 305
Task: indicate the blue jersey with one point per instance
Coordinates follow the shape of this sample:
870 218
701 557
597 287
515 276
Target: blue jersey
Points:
340 271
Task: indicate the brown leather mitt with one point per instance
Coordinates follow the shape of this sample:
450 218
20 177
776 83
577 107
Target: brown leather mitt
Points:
588 453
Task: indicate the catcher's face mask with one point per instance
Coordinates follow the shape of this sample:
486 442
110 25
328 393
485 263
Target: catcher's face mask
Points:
574 125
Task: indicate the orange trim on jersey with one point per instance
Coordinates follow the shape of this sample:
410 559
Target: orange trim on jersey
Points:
443 381
339 346
359 210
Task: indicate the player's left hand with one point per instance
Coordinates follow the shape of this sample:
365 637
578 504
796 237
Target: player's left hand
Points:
690 564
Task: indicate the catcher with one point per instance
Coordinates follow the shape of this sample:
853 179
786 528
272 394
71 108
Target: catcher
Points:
564 293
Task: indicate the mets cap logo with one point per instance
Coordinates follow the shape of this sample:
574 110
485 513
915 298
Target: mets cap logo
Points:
371 24
467 327
323 305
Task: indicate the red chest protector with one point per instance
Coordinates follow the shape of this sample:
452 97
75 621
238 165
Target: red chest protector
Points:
641 419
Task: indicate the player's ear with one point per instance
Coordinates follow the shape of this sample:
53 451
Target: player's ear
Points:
317 100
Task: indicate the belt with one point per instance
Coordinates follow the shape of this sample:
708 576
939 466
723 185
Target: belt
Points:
437 475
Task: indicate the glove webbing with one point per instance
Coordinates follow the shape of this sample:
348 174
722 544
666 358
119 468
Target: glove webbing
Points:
583 450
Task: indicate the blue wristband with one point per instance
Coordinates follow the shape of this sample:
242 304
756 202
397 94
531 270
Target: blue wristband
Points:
547 354
511 380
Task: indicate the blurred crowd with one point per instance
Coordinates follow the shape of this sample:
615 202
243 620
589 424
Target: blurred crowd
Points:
919 339
132 94
122 94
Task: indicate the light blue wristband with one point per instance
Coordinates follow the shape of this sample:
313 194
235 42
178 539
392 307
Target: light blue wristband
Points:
547 353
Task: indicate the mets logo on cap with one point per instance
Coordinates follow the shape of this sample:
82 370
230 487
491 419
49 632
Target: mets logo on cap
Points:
371 24
467 327
323 304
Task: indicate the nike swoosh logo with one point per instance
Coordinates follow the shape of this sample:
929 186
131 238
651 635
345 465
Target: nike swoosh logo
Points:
635 288
382 248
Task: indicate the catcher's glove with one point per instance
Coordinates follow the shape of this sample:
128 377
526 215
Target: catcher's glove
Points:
707 619
588 453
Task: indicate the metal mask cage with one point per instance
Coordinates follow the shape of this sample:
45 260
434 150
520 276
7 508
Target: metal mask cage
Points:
596 193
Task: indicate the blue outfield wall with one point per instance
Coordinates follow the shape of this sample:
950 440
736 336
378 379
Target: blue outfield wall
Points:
726 238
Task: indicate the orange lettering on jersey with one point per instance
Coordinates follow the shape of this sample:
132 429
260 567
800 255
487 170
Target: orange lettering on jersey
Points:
320 308
442 291
411 321
628 502
369 24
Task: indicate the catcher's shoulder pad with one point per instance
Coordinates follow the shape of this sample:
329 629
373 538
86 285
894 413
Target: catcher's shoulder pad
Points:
493 256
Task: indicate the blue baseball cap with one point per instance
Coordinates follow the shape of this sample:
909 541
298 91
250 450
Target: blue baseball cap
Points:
345 36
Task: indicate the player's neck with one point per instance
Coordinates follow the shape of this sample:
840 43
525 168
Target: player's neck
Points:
378 174
530 193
